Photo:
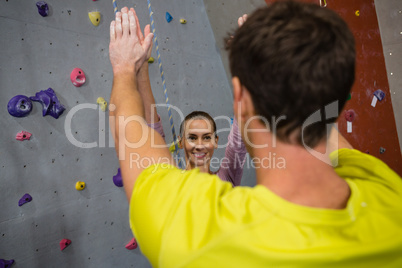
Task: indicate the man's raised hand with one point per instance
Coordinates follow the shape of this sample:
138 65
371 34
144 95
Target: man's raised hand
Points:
128 48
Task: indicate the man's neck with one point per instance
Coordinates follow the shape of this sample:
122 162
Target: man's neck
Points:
300 178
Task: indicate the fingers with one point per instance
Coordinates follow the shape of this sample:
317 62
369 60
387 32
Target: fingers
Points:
147 44
112 31
147 29
119 29
126 23
242 20
139 33
133 24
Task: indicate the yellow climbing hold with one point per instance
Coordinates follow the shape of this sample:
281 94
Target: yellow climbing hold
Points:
172 148
102 103
357 13
183 21
80 185
151 60
95 17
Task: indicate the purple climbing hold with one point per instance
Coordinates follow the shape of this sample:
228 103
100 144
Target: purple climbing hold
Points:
117 179
379 94
43 8
168 17
50 103
6 263
24 199
19 106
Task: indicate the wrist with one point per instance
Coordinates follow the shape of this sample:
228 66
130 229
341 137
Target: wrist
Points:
127 70
143 74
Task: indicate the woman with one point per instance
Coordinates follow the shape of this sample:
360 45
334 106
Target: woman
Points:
197 136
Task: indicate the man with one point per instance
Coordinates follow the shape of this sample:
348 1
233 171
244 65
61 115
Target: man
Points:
289 61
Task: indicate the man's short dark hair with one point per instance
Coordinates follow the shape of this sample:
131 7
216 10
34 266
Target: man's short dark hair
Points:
294 59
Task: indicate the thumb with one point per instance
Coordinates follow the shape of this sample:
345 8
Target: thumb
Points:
146 45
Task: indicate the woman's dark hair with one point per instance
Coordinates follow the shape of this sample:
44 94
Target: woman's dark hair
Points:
198 115
294 59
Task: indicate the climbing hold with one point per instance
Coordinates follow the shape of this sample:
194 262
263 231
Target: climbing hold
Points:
172 148
382 150
378 95
94 17
64 243
6 263
77 77
350 115
349 97
80 185
183 21
43 8
102 103
50 103
357 13
168 17
19 106
231 121
132 244
23 135
151 60
24 199
117 179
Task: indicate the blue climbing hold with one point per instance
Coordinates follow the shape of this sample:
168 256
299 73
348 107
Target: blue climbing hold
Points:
117 179
43 8
168 17
6 263
25 199
50 103
379 94
19 106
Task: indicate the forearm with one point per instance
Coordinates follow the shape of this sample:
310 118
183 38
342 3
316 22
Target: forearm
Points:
145 90
125 100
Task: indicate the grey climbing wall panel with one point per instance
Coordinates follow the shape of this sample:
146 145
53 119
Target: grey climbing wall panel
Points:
389 14
40 52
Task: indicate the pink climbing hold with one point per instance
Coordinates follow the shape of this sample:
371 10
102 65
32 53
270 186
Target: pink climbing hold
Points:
350 115
64 243
132 244
23 135
77 77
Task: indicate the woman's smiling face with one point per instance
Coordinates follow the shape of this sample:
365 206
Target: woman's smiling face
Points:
199 142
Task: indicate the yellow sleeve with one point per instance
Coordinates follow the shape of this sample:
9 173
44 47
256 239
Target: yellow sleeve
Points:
357 165
166 199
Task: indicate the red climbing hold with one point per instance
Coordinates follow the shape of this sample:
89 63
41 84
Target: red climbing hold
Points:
23 135
77 77
64 243
132 244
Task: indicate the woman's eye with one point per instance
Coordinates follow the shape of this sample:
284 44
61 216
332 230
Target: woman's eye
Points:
207 137
192 138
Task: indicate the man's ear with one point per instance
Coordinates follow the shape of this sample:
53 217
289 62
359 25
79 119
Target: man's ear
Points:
243 106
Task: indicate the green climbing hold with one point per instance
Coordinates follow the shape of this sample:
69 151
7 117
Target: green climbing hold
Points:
349 96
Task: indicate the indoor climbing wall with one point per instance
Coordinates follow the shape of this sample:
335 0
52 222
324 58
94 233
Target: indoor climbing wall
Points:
59 204
368 120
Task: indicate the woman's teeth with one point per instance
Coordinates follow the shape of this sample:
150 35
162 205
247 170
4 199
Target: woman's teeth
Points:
200 155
